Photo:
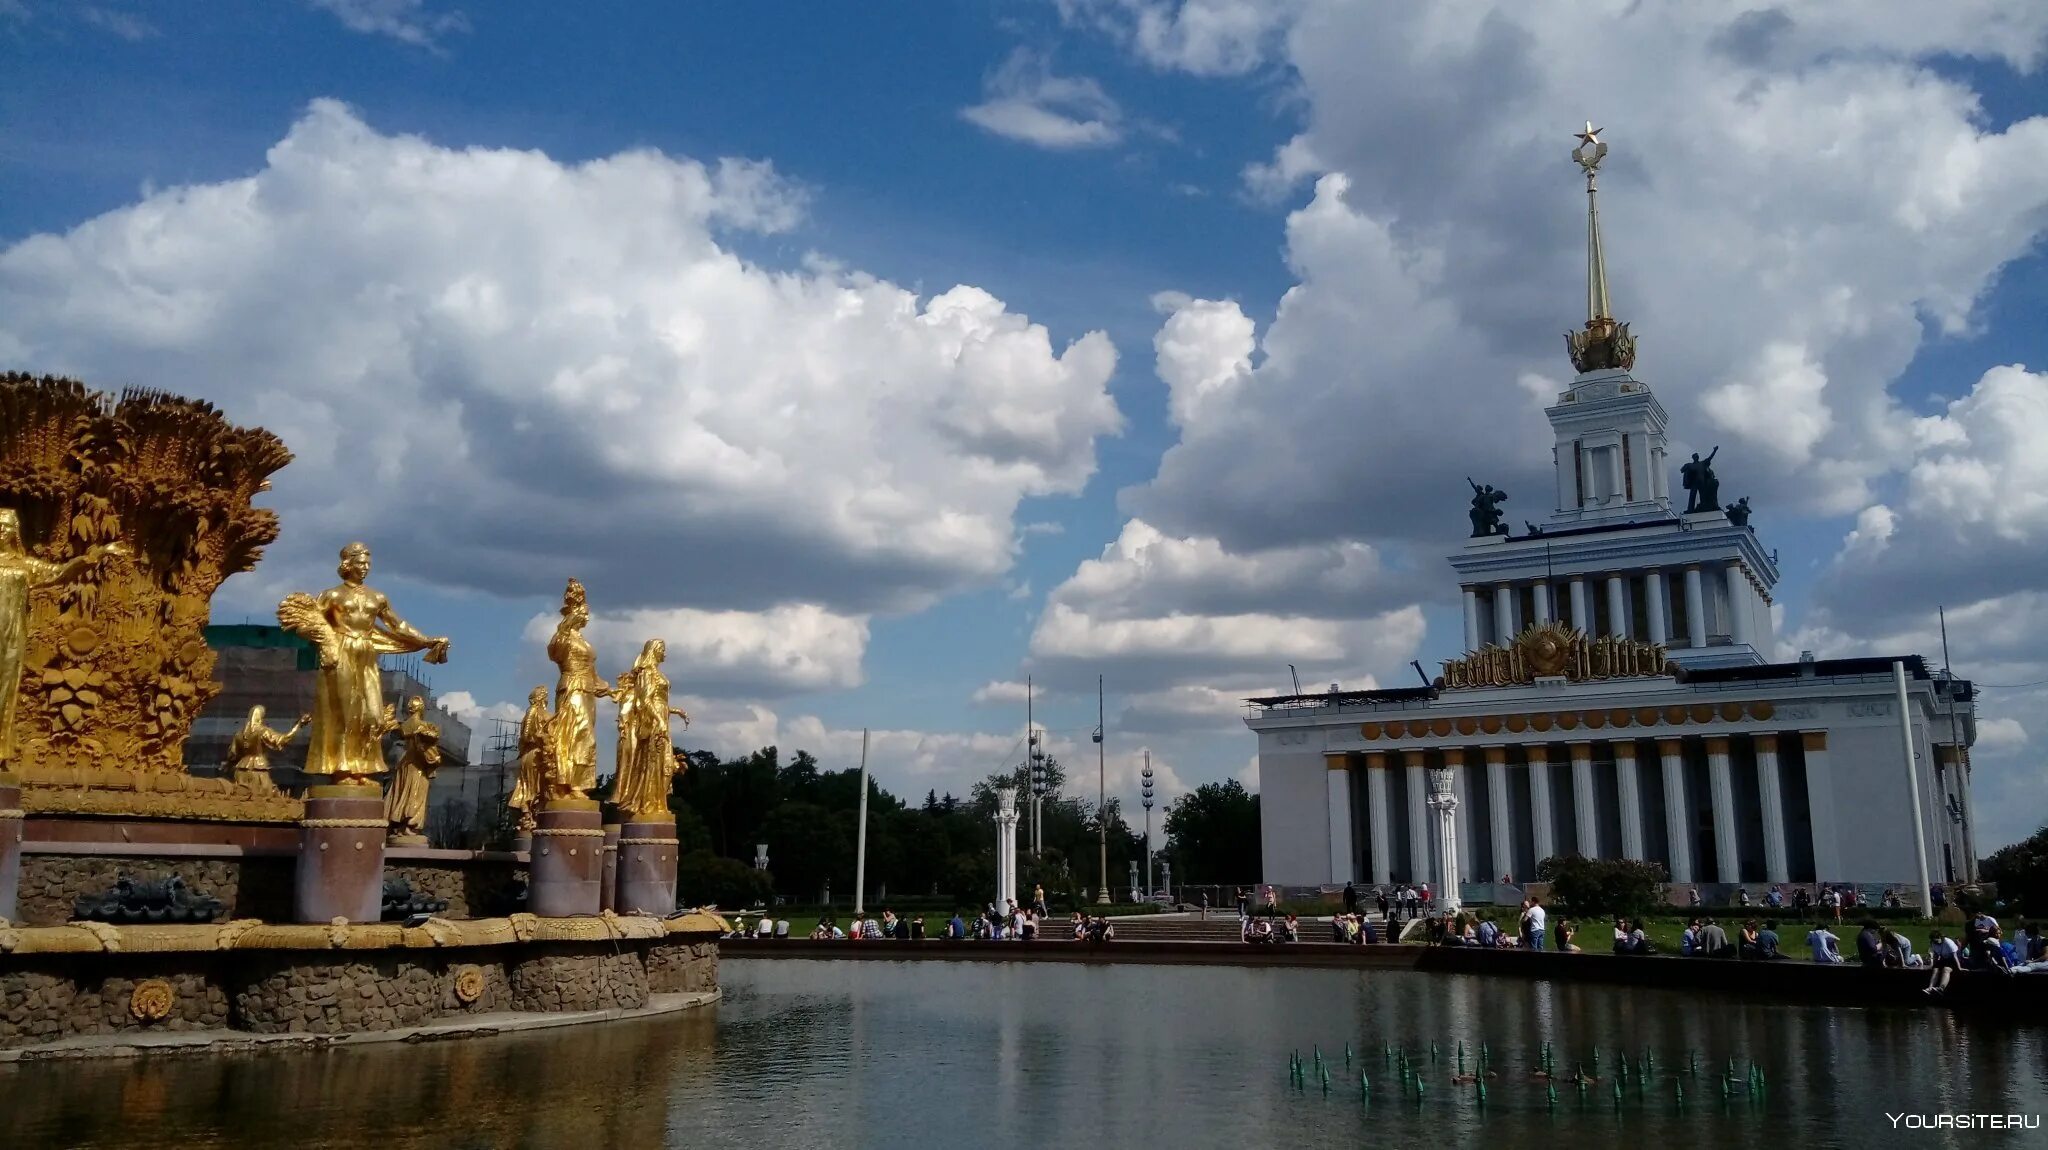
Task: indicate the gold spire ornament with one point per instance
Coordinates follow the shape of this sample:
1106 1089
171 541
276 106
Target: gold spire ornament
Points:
1604 344
351 625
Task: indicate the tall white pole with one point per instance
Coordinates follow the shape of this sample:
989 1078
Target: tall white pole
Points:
1102 790
860 862
1913 786
1031 764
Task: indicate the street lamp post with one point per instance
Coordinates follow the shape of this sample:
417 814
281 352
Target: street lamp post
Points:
1146 791
1101 794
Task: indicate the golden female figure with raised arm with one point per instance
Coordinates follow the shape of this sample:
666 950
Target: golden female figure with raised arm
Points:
249 751
576 693
642 792
21 572
352 624
628 700
535 753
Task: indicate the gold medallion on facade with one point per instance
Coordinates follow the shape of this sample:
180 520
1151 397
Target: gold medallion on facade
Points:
151 1001
469 985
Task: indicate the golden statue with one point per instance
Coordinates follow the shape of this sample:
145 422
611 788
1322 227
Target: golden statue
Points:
535 753
249 752
574 730
405 804
352 625
115 665
641 790
629 730
19 573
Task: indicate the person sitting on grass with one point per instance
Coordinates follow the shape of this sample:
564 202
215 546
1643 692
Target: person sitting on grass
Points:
1713 941
1767 941
1567 932
1486 934
1825 946
1622 944
1750 944
1945 958
1689 942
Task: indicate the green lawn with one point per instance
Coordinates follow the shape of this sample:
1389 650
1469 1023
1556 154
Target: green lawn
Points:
802 923
1597 935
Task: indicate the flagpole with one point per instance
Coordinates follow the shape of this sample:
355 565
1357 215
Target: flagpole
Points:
860 862
1101 791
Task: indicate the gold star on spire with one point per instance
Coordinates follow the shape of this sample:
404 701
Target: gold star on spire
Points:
1604 344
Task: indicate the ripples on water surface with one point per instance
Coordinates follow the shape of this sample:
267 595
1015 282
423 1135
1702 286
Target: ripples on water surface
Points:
805 1054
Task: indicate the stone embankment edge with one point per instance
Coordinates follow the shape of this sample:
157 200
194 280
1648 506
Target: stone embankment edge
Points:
141 1045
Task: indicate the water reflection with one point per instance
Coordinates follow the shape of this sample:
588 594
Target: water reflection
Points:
874 1054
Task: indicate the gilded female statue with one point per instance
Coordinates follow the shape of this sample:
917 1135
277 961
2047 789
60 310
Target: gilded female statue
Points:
642 791
20 573
574 731
249 751
352 624
534 754
628 702
405 805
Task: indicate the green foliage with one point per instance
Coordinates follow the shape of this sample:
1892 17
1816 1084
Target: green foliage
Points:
2021 872
1212 834
1586 886
704 878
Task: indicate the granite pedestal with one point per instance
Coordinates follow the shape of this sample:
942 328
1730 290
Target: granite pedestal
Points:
647 867
567 868
609 887
340 871
11 823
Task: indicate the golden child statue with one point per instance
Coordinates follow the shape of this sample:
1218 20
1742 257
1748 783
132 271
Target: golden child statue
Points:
352 625
535 753
642 792
574 729
249 751
21 572
405 805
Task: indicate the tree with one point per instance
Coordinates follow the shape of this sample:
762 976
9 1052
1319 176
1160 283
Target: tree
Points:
706 879
1604 886
2021 872
1212 834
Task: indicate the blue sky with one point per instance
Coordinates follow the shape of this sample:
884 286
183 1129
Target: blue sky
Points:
1400 174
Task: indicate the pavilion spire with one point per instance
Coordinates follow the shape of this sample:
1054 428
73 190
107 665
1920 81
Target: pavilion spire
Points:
1604 344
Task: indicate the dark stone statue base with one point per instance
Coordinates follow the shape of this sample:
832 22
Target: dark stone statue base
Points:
341 855
608 886
11 823
647 867
567 866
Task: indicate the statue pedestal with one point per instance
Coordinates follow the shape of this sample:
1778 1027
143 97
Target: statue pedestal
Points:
567 867
341 855
406 841
608 886
11 827
647 867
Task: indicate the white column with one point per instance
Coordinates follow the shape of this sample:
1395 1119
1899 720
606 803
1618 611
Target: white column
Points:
1376 800
1454 758
1617 606
1722 779
1503 614
1340 819
1695 610
1500 812
1820 801
1418 819
1677 822
1776 868
1542 815
1471 619
1629 790
1738 605
1447 876
1542 597
1585 807
1006 846
1582 617
1653 605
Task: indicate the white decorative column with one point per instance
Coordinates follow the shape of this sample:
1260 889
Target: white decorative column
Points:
1617 606
1446 804
1340 818
1722 779
1006 846
1499 810
1454 758
1542 597
1542 816
1471 619
1582 615
1585 806
1653 606
1776 868
1418 818
1677 822
1738 605
1376 799
1695 610
1503 614
1629 790
1820 801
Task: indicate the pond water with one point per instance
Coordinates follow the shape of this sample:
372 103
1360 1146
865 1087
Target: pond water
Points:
807 1054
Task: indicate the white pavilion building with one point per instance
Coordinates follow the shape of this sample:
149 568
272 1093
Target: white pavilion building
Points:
1616 698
